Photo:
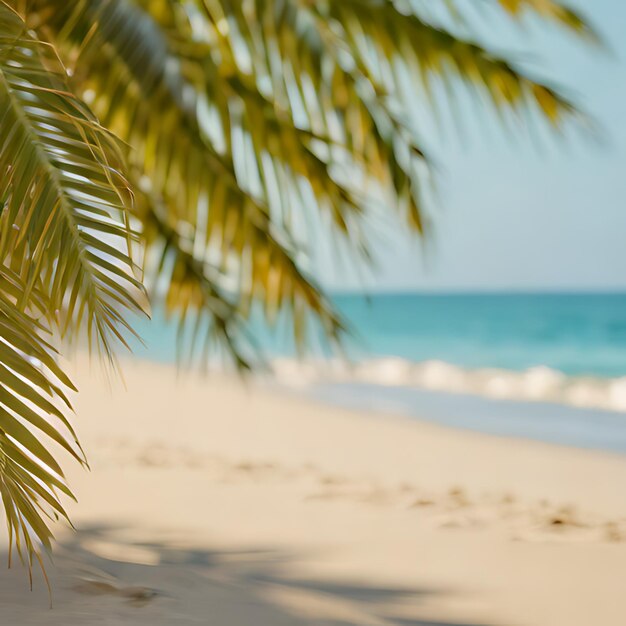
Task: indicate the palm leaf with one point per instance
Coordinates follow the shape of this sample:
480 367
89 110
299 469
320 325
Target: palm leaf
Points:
61 182
33 403
143 96
556 11
192 285
313 78
238 114
64 264
380 37
343 69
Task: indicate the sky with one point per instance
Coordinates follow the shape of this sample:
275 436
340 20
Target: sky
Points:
515 214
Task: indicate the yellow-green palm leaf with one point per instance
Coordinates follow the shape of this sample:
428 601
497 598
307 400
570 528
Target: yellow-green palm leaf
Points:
142 94
64 264
33 403
551 10
242 118
64 223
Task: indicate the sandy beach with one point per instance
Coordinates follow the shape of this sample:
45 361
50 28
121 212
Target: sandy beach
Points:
211 502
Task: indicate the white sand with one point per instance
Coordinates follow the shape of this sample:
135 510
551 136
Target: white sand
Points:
210 503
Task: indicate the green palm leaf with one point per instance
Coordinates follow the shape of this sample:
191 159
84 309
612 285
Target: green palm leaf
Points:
64 212
320 117
64 264
551 10
143 96
314 78
33 403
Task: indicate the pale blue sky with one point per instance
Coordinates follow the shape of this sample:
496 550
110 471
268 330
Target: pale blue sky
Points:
521 217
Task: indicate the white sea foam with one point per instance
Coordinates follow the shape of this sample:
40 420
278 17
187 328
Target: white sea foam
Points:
539 384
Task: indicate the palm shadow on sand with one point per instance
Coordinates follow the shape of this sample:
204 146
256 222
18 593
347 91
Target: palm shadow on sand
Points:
97 579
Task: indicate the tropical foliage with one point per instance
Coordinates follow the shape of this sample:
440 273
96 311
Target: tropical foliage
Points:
203 144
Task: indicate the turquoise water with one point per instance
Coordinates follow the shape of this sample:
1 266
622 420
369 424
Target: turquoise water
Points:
577 334
574 334
550 366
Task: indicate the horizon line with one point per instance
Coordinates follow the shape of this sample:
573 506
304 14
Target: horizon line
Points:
482 291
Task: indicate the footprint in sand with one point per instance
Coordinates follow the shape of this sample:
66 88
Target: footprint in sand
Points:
549 523
613 532
458 498
136 595
423 502
331 480
364 492
544 521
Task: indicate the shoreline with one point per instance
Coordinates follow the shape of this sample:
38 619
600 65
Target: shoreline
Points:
255 507
555 424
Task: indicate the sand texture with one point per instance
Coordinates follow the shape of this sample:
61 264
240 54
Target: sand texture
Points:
210 502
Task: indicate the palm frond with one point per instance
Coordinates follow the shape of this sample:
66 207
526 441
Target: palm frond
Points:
213 300
380 37
142 94
240 114
65 265
301 63
192 285
551 10
64 222
33 403
343 70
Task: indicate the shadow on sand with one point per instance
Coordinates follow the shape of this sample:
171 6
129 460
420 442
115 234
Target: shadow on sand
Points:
99 579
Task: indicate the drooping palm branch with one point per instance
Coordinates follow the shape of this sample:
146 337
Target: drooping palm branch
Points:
233 130
63 264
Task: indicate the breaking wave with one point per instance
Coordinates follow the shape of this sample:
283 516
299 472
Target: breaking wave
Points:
538 384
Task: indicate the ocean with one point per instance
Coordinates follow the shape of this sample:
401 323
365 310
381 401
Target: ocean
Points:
544 366
576 334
